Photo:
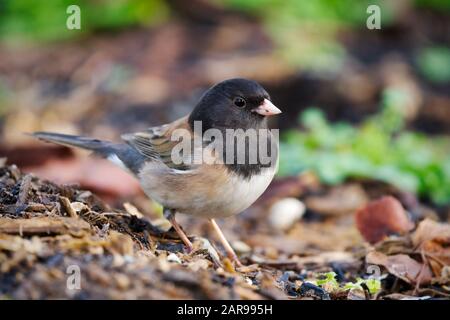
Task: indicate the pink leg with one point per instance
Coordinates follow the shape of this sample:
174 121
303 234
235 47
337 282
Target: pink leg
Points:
229 250
171 217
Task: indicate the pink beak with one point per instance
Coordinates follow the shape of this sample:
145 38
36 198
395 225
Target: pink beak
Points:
267 108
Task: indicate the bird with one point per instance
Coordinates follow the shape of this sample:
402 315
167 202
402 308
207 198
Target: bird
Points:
221 187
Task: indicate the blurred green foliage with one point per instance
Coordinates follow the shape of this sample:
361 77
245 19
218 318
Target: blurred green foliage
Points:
434 4
305 31
434 63
380 148
4 95
30 20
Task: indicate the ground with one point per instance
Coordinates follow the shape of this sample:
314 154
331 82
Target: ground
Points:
50 233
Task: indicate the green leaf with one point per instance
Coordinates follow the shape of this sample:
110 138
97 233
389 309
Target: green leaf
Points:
328 280
434 64
379 148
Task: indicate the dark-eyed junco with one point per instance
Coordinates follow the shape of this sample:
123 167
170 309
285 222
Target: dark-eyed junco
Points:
219 182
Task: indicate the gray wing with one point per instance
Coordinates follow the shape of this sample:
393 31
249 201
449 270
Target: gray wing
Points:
155 144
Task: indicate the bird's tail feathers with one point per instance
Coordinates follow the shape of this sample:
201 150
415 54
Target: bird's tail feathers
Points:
95 145
119 153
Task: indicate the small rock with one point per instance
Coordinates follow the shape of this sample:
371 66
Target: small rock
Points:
241 247
173 258
308 289
78 206
284 213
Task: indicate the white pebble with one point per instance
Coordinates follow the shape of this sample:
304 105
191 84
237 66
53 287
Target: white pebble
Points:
173 258
284 213
78 206
241 247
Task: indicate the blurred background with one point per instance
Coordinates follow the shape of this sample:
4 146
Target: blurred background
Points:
365 112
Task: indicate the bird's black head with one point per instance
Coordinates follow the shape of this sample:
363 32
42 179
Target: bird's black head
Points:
234 104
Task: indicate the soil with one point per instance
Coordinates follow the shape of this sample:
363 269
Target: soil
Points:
50 233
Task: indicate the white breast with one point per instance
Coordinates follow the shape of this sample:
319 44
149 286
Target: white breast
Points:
242 193
223 199
236 195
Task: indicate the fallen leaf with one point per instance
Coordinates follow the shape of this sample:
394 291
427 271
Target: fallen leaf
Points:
432 239
402 266
356 294
381 218
96 174
430 230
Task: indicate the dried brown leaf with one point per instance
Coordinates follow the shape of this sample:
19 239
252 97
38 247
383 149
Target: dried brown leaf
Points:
402 266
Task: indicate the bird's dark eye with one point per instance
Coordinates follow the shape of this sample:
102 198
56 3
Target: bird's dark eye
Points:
239 102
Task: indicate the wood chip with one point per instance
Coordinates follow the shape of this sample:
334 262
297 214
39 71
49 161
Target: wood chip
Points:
24 190
43 226
68 207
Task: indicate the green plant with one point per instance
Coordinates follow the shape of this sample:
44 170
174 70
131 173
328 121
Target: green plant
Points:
29 20
4 95
441 5
305 31
328 282
434 63
379 148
